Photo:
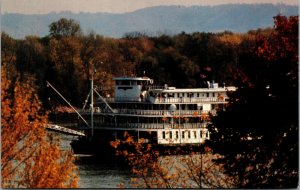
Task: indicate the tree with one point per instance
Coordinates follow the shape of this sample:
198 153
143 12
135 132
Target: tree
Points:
258 133
8 49
65 28
31 58
64 55
30 157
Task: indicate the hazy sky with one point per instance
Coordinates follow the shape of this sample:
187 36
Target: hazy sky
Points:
111 6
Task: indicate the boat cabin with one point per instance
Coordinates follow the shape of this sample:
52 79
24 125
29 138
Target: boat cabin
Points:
131 88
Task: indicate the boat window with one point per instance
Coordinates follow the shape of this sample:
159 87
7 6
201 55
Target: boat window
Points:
206 134
133 82
170 132
198 95
213 94
207 94
139 82
163 134
182 134
125 82
176 134
118 82
195 134
189 134
200 134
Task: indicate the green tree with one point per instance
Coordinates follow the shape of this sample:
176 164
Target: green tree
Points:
65 28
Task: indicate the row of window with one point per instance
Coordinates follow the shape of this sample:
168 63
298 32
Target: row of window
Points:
194 134
192 95
131 82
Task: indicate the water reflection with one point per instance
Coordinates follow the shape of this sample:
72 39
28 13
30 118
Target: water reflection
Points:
96 173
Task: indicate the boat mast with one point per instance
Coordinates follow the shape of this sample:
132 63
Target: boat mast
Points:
92 102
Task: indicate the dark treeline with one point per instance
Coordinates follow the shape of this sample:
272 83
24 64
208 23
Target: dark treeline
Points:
66 58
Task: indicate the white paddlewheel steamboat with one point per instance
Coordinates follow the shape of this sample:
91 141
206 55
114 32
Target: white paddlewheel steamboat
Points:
160 115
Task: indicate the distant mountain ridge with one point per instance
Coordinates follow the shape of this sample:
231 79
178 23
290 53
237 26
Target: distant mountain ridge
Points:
155 20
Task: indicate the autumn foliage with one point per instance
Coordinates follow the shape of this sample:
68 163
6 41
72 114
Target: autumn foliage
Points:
258 132
30 157
171 168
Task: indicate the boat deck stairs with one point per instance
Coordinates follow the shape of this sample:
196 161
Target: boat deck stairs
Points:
64 130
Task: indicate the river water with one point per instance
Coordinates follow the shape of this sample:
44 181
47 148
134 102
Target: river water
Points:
95 173
98 173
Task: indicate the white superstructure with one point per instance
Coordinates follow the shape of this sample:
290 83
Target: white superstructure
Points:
160 114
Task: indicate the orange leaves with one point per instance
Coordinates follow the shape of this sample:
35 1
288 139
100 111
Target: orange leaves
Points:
204 116
115 144
195 114
29 158
283 42
150 169
207 149
220 97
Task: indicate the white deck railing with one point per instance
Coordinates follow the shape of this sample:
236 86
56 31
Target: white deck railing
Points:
185 100
163 112
156 100
196 113
151 125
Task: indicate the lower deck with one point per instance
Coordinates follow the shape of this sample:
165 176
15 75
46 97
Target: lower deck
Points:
164 136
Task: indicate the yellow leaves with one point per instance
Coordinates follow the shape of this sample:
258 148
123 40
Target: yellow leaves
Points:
232 39
28 159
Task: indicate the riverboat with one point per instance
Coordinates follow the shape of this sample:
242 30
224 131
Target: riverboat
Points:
163 116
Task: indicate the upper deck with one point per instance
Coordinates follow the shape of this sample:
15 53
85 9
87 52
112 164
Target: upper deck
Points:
142 89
